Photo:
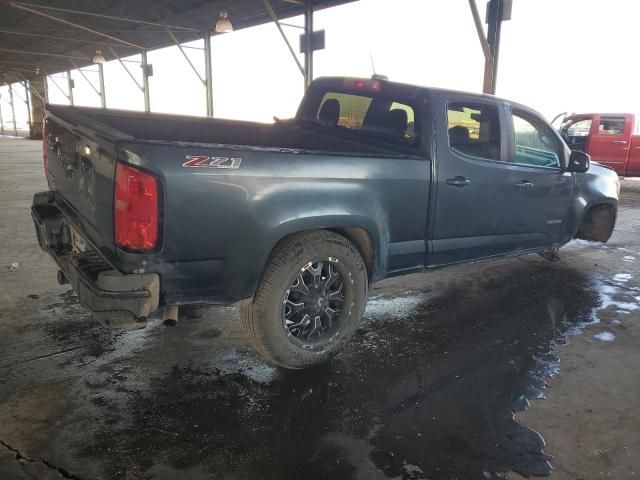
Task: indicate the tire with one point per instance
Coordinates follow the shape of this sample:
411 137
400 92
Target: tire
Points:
269 322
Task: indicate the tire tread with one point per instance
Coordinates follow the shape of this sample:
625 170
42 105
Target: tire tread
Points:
251 314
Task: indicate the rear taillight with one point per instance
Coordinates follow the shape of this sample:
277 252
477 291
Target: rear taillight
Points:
135 209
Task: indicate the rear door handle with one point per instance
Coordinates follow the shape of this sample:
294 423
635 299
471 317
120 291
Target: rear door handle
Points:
619 142
523 185
457 181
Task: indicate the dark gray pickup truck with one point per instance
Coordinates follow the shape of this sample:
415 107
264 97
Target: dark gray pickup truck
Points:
292 221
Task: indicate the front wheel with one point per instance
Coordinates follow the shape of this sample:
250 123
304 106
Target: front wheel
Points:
309 301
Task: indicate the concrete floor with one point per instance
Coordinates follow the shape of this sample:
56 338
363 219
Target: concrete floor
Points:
426 390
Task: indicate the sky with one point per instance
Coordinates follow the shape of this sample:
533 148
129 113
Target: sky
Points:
556 56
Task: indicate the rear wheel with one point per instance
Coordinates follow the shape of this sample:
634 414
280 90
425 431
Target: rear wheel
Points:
309 301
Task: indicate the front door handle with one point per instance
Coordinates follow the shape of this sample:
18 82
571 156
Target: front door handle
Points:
457 181
523 185
619 142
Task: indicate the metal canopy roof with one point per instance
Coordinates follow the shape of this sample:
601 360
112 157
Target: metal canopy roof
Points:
25 42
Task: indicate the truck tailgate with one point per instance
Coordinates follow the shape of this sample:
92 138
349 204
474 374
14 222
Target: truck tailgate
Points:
80 160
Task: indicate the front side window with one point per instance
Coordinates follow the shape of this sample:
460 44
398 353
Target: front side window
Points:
575 131
611 126
579 128
474 130
535 143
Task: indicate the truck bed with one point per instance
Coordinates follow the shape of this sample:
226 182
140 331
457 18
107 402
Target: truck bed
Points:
165 128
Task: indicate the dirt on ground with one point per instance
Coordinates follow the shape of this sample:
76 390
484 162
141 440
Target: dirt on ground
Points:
504 369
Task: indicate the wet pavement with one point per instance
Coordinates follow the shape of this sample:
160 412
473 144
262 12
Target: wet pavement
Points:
427 389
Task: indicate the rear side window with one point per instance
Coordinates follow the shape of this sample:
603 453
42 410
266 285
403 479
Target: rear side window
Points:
474 130
611 126
388 119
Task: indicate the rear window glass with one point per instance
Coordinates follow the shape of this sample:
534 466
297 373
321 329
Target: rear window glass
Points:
387 119
352 108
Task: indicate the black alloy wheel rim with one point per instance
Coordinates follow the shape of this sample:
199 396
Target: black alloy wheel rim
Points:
313 305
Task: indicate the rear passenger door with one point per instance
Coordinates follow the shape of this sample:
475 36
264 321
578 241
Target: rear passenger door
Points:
541 190
609 143
472 179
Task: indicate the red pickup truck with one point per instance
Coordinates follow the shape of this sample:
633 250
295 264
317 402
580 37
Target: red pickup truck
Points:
612 139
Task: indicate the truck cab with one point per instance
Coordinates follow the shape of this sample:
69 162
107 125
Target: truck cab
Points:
612 139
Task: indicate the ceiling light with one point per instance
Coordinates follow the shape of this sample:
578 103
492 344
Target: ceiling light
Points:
223 25
98 57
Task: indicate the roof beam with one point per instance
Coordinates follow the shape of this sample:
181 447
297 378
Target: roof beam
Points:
27 8
273 15
52 37
29 52
53 80
186 57
85 77
135 80
101 15
481 35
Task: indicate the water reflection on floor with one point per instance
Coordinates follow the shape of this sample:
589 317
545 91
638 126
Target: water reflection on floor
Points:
426 390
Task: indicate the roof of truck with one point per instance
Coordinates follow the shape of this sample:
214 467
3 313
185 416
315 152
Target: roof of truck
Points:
605 114
411 89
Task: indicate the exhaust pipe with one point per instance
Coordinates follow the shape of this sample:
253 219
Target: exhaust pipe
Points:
170 315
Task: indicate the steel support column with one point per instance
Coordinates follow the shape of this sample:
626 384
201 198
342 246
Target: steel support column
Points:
103 98
13 111
145 81
308 31
46 88
208 74
28 102
70 87
495 9
37 100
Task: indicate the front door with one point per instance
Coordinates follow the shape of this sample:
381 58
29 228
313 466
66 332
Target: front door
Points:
472 179
541 191
609 142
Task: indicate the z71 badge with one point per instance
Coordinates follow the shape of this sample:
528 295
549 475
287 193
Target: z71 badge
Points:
202 161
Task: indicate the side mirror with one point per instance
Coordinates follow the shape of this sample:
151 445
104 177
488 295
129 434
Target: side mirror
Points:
579 162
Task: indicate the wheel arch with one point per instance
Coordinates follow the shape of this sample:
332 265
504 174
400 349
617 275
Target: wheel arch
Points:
362 233
597 221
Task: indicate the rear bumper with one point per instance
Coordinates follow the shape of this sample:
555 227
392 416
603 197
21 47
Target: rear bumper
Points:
98 285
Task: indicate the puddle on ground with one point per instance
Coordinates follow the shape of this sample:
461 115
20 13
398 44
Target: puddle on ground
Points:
427 389
605 336
60 336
